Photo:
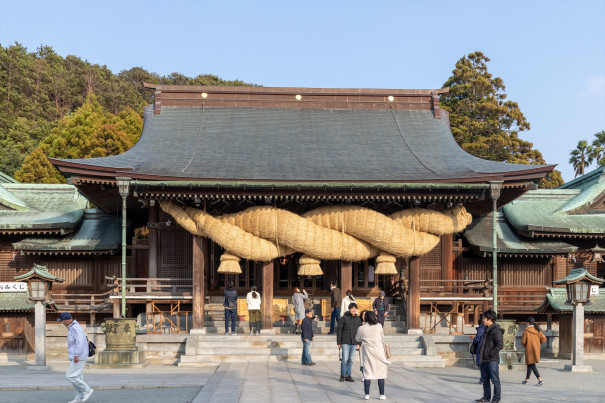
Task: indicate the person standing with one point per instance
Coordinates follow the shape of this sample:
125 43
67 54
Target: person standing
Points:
254 316
373 358
380 307
478 340
77 352
493 341
335 299
531 340
306 336
298 300
230 305
346 301
345 339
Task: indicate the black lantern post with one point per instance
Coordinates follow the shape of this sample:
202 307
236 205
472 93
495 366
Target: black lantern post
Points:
578 284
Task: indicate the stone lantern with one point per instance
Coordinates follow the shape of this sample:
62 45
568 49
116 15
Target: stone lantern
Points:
578 284
39 284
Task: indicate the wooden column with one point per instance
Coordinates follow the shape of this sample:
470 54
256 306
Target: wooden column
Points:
200 251
346 277
267 296
154 242
447 270
413 313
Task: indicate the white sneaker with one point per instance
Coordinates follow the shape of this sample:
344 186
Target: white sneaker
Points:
87 396
382 397
366 397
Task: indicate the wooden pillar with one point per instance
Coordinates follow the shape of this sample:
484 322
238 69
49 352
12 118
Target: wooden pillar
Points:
346 277
447 270
413 313
267 295
154 242
116 308
200 251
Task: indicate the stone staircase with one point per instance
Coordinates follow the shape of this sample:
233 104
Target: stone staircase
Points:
214 321
207 349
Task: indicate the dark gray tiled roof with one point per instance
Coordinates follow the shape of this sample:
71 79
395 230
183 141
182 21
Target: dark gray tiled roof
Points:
283 144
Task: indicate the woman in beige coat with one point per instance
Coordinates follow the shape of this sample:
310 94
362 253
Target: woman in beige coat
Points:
531 340
373 359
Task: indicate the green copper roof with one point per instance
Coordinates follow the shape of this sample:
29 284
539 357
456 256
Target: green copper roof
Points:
98 231
548 210
4 178
479 236
556 299
41 272
579 274
15 302
35 206
591 186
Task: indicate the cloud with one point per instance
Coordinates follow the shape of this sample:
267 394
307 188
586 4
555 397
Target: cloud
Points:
596 85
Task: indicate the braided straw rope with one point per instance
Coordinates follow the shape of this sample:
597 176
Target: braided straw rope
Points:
352 233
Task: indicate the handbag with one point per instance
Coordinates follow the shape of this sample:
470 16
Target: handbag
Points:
387 350
473 349
92 349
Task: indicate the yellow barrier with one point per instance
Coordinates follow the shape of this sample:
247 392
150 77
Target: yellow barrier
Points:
280 309
242 310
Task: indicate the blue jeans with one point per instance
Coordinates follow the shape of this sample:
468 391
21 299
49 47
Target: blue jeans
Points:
334 319
490 372
230 313
306 354
348 355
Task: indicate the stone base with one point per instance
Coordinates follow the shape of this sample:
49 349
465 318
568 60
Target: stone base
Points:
267 331
512 360
38 368
197 331
120 359
578 368
414 331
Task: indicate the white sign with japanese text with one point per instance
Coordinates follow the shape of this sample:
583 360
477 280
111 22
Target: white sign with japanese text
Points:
13 287
594 289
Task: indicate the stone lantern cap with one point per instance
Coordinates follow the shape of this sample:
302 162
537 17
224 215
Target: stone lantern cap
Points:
580 274
40 272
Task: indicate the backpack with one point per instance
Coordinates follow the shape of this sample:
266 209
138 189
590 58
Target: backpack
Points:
92 349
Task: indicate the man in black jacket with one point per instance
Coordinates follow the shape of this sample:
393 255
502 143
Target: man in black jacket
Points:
493 341
307 337
230 305
335 301
345 338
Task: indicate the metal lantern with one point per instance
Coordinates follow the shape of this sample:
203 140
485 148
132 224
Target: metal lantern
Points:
123 186
577 284
597 254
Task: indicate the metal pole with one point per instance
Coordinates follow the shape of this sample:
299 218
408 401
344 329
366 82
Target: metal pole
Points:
123 256
495 188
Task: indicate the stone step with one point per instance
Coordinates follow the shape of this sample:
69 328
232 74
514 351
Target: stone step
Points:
237 345
292 350
286 338
316 324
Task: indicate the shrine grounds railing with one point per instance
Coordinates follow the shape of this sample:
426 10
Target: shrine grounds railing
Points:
83 302
153 286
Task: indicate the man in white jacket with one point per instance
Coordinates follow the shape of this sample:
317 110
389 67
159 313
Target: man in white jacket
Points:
77 352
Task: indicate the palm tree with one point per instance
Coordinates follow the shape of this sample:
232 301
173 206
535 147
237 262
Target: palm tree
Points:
598 150
581 157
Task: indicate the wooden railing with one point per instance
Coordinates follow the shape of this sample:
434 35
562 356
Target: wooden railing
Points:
83 302
455 288
153 286
524 299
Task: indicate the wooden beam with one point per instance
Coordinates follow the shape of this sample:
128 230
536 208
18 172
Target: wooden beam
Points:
200 250
154 238
267 296
413 312
346 277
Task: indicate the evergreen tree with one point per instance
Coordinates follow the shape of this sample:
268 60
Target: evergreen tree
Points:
581 157
484 122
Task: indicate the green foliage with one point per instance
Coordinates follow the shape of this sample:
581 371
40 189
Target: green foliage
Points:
88 132
484 122
581 157
37 89
598 148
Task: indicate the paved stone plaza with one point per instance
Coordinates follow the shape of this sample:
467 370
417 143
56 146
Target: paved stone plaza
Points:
290 382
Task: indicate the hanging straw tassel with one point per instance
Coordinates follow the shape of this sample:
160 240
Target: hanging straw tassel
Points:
309 266
229 264
385 264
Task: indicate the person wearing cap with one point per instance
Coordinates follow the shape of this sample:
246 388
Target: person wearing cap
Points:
380 307
77 352
307 337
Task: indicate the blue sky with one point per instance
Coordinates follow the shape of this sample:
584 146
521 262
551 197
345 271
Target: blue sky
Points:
550 54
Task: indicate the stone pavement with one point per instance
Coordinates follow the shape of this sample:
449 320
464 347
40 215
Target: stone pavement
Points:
560 385
290 382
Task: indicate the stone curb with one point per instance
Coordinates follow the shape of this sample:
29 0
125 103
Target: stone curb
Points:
101 387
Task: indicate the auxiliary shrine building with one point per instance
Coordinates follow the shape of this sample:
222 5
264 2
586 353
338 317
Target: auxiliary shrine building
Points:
296 187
